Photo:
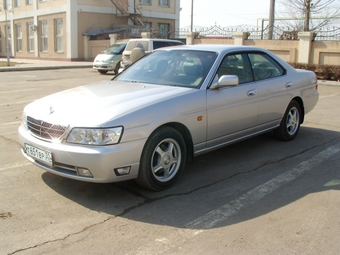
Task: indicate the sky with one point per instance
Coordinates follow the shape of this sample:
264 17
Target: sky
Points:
223 13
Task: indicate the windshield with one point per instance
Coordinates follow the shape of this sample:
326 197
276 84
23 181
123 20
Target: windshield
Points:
185 68
115 48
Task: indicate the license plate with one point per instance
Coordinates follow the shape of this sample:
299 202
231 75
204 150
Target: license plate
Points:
39 154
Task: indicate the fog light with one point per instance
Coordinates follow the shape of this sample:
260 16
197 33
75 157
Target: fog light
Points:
84 172
122 170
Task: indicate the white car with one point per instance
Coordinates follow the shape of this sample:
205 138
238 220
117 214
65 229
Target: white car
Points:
109 59
170 106
136 48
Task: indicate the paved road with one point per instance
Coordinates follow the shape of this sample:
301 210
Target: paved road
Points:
260 196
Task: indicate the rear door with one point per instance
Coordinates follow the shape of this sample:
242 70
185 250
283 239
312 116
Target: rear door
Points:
274 89
232 111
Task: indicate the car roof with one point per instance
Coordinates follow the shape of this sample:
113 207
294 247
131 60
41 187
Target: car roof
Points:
155 39
219 48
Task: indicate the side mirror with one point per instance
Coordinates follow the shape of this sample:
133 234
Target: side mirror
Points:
225 81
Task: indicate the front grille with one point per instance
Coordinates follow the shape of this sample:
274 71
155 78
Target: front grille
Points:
45 130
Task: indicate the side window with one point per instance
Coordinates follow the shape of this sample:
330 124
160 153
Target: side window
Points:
264 67
236 64
158 44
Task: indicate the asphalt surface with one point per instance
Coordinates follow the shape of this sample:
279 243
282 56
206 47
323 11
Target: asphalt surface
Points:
259 196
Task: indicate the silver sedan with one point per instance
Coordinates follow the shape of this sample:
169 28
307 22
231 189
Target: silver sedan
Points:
168 107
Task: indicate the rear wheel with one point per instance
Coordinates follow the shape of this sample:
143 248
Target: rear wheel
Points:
163 159
290 123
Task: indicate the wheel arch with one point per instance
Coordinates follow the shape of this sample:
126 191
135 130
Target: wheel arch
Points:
300 102
184 131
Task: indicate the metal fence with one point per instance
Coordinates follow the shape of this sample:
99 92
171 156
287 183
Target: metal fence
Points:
279 33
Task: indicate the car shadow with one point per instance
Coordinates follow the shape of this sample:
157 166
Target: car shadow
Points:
213 180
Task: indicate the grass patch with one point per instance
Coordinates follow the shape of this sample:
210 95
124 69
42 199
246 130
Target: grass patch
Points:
4 63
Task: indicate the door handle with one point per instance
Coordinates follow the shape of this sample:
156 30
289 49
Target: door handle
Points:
251 92
289 84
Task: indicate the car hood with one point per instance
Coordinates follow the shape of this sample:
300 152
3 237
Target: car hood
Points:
96 104
105 57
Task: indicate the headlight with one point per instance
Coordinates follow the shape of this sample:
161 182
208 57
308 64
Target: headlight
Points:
95 136
24 120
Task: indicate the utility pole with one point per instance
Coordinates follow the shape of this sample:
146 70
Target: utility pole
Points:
271 19
192 16
308 5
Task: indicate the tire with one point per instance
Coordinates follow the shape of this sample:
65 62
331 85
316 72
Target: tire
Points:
117 67
102 71
290 123
163 159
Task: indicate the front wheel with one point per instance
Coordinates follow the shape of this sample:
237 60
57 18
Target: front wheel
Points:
290 123
117 68
163 159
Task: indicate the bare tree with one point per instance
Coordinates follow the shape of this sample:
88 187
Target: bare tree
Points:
310 15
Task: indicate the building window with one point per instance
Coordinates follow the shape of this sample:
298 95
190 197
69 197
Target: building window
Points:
29 2
17 3
59 45
145 1
19 37
30 44
163 30
148 26
43 36
7 4
164 3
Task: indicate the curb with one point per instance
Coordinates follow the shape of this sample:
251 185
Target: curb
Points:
33 68
329 83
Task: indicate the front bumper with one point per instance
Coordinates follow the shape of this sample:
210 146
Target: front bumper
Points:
105 66
108 67
99 160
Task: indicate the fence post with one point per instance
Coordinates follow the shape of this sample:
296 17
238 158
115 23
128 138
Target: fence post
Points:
113 38
239 37
190 38
305 45
86 39
146 35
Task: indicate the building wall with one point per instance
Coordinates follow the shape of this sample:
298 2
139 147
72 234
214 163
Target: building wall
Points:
326 53
321 52
78 16
286 49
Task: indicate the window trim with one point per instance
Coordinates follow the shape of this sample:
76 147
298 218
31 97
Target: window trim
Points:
59 37
167 4
43 36
146 2
18 37
30 37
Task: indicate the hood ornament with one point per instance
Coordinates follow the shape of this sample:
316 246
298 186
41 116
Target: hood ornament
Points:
51 110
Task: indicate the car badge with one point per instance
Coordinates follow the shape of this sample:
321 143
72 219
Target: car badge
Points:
51 110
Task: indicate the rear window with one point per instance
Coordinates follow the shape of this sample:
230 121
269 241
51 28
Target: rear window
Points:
161 44
115 48
137 44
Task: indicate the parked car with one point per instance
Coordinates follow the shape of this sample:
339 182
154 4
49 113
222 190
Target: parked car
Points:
169 106
109 59
136 48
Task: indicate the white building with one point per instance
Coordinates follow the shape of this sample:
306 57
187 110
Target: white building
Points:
54 29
